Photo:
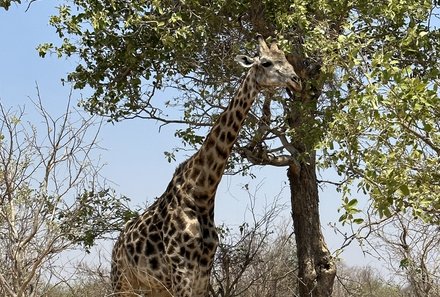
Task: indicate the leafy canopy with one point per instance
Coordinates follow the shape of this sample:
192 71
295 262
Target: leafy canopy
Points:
371 104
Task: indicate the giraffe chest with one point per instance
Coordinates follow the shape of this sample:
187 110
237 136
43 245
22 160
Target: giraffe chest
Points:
194 235
166 245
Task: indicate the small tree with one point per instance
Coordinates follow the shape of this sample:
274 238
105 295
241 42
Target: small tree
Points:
51 196
411 248
258 259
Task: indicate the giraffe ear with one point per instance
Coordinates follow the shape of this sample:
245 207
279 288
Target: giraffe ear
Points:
245 61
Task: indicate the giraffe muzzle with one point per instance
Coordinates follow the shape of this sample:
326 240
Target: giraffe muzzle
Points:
294 84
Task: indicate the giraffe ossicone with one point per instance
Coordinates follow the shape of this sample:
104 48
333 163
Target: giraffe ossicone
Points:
169 249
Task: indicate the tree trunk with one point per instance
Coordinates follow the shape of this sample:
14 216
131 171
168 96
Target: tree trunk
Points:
316 266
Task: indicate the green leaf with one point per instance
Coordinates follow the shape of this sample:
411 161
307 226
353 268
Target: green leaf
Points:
358 221
404 189
404 263
352 203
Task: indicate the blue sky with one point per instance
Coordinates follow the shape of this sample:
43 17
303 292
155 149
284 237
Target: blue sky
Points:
133 149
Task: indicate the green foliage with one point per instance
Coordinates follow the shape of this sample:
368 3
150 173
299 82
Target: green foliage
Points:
7 3
350 210
386 132
404 263
94 215
376 120
188 135
127 49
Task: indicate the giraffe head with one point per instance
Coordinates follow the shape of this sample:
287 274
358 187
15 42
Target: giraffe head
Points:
272 67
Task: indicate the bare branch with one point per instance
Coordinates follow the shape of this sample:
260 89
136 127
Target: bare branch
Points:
50 193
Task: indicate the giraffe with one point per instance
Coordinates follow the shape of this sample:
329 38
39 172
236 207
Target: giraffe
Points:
169 249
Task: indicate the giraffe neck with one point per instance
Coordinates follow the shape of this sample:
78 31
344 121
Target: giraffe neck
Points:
199 176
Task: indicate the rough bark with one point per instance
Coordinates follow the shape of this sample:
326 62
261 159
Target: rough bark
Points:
317 268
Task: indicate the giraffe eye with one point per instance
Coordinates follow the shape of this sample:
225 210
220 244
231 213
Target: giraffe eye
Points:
266 64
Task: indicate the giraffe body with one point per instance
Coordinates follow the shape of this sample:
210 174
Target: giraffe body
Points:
169 249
